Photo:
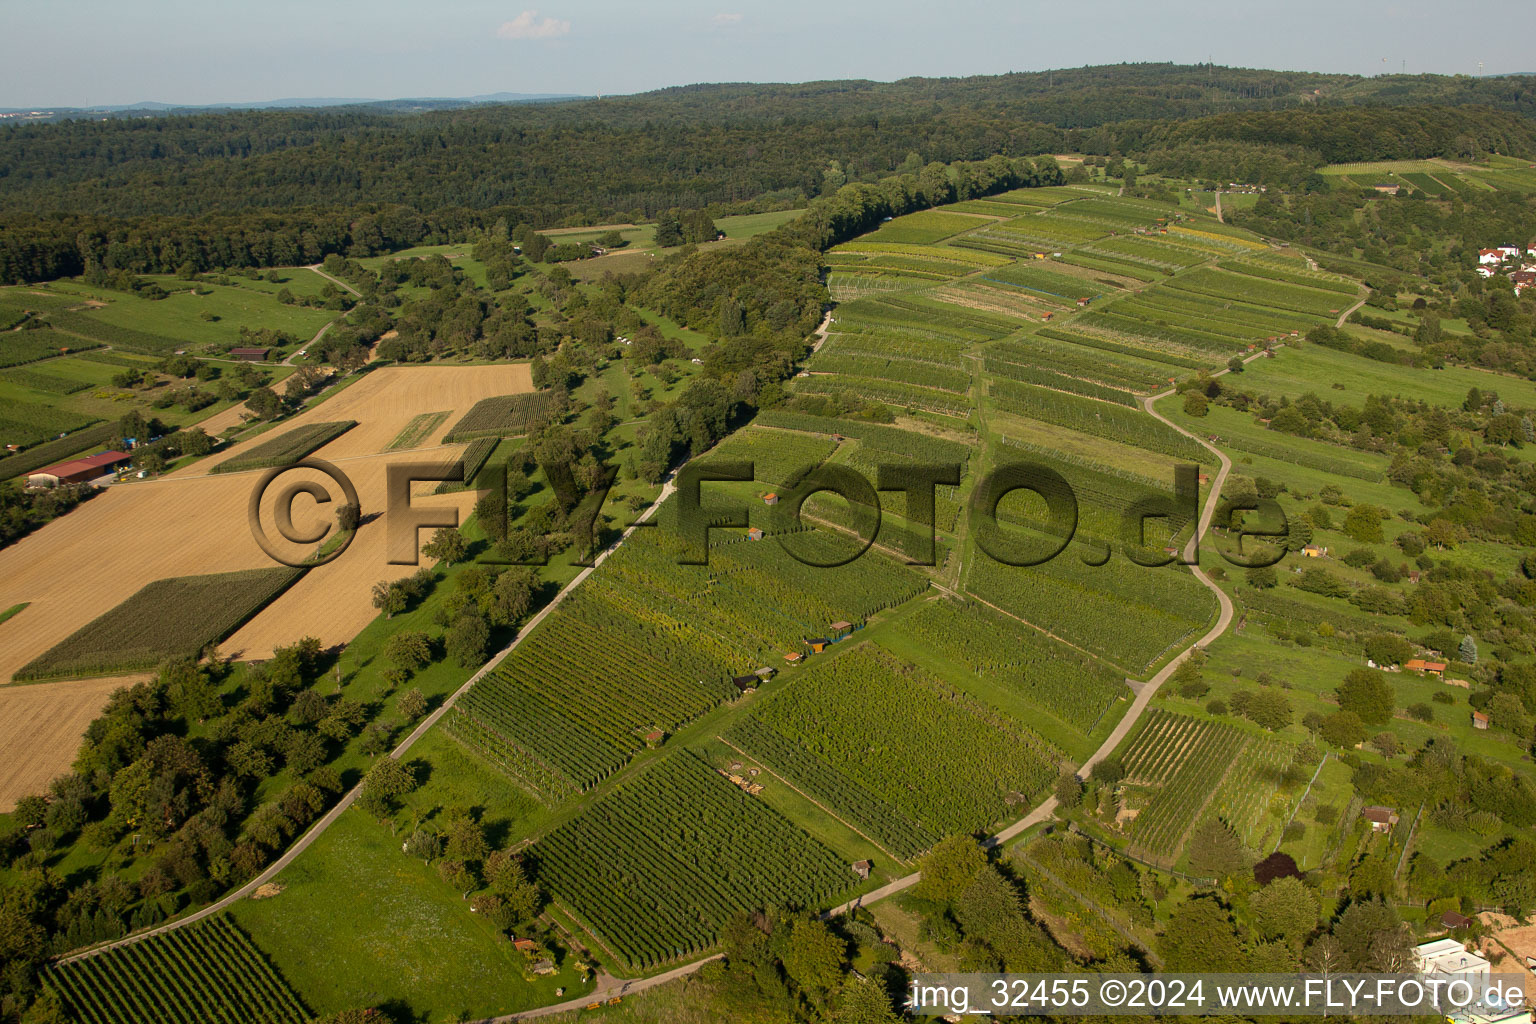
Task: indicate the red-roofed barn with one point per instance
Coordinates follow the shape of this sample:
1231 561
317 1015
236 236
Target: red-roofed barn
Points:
77 471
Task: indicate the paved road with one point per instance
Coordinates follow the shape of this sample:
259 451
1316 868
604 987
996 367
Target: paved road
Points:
1219 218
318 828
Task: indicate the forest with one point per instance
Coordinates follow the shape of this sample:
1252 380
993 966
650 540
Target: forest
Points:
273 188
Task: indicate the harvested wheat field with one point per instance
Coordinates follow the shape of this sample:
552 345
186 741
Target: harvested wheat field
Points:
41 728
191 523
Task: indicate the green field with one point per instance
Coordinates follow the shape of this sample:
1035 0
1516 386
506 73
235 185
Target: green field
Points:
359 924
288 448
185 319
170 618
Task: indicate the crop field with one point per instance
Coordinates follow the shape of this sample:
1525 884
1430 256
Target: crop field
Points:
564 710
867 725
287 448
502 416
658 866
925 226
209 972
1087 606
167 619
1181 761
41 728
778 456
415 433
39 381
1068 685
193 523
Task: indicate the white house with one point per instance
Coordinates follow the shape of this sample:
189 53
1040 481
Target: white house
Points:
1449 956
1510 252
1490 257
1484 271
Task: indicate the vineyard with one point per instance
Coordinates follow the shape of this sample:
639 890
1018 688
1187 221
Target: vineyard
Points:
1101 419
208 973
888 392
1264 291
126 338
1179 762
1249 789
502 416
287 449
865 724
777 456
924 226
169 618
648 643
1120 371
27 423
43 382
1089 606
1067 684
658 866
902 443
20 347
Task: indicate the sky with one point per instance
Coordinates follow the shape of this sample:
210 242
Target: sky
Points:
90 52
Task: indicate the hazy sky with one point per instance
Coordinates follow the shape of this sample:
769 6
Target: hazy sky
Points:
81 52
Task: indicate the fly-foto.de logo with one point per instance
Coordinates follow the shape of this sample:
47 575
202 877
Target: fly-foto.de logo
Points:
1158 528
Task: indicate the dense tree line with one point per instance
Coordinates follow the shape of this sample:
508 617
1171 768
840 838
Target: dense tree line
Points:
286 187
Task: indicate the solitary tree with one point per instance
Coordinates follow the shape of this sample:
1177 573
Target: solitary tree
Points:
386 782
1367 693
447 546
1467 652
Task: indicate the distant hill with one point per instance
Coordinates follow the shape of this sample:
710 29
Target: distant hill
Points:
151 107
